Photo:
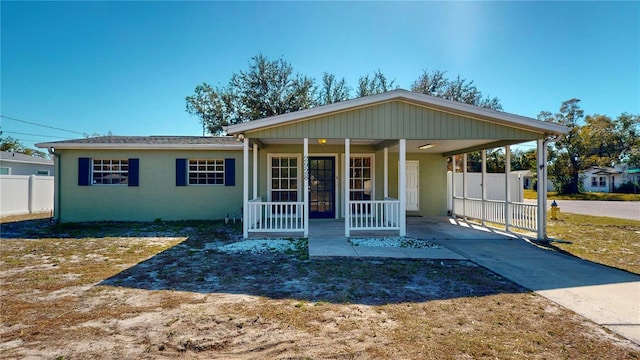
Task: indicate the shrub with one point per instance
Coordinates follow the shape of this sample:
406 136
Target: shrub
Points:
628 188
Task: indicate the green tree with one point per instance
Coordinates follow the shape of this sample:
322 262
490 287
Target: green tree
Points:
523 160
267 88
598 141
332 90
13 145
495 161
212 106
436 83
520 160
374 84
601 143
270 88
628 126
564 170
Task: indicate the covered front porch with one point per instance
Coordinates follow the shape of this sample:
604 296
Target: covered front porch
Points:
346 192
355 206
371 162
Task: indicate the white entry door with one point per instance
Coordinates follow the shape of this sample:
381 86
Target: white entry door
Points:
413 186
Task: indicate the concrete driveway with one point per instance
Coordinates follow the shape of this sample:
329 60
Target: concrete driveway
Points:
617 209
607 296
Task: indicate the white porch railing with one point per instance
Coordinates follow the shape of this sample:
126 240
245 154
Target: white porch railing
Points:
271 216
374 214
523 215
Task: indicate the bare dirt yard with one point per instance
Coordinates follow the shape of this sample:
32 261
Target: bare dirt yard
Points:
193 290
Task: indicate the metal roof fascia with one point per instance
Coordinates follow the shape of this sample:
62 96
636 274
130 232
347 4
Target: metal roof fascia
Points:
128 146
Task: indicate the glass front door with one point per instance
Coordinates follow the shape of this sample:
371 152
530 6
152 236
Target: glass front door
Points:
322 187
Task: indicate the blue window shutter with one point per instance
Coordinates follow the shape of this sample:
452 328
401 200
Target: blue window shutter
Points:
134 172
229 172
181 172
84 171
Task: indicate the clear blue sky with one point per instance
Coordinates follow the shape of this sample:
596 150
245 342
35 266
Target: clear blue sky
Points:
126 67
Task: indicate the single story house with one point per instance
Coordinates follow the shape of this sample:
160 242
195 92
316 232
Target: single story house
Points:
607 179
12 163
369 162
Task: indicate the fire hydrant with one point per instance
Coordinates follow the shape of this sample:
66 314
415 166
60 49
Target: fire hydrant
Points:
554 210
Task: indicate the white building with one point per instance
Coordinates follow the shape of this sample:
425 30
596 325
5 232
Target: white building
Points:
20 164
607 179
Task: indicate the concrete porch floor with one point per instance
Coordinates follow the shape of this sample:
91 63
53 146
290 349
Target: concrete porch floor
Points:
326 239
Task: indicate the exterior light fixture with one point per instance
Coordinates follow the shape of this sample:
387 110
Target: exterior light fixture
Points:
322 141
425 146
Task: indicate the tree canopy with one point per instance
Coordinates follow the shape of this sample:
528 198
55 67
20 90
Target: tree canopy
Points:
520 160
435 83
271 87
374 84
267 88
597 141
333 90
14 145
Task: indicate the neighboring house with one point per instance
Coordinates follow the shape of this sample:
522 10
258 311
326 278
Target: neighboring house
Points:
371 160
20 164
607 179
26 184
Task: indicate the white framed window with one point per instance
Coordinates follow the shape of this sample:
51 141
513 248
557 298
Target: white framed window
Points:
284 177
361 177
5 170
594 181
603 181
110 171
206 171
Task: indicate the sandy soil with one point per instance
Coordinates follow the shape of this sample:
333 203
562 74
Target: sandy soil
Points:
155 291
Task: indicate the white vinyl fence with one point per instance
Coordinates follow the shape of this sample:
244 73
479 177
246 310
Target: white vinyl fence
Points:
495 187
25 194
494 209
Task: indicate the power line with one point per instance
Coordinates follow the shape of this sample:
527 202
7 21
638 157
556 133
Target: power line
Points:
47 136
29 140
41 125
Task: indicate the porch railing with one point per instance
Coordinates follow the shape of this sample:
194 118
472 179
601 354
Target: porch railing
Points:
271 216
374 214
523 215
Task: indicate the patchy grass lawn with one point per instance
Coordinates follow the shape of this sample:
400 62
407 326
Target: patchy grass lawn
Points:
163 290
610 241
552 195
